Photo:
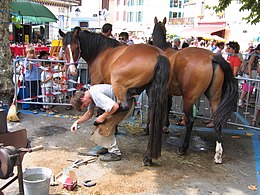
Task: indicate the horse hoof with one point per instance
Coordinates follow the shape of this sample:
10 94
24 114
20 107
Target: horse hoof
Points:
218 160
146 130
147 161
182 151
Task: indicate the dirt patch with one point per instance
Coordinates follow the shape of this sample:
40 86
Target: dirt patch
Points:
171 174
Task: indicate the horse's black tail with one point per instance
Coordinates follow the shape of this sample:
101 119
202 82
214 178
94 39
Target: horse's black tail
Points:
229 93
158 90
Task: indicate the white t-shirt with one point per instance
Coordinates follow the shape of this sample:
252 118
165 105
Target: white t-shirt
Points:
44 76
102 96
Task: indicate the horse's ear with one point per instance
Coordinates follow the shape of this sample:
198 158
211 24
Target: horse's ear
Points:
164 20
76 31
155 20
62 34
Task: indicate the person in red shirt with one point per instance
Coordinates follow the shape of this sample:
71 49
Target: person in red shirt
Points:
234 59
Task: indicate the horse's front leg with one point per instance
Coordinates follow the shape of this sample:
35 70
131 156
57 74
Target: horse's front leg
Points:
189 126
218 149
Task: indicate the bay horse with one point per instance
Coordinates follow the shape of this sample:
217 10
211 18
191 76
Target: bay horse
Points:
194 72
130 70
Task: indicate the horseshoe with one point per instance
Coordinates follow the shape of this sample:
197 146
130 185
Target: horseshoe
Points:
88 183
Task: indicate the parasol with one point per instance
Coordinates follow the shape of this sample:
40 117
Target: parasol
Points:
31 12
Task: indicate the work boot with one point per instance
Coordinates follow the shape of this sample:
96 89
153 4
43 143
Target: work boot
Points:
102 151
110 157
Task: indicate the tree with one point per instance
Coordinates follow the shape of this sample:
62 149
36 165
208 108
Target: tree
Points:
253 6
6 84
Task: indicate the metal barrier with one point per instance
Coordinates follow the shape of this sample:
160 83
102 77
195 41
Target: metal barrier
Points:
58 93
241 117
65 85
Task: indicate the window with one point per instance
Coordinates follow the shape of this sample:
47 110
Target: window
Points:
174 14
124 16
130 17
175 4
117 16
139 16
118 2
140 2
125 2
130 2
171 3
179 14
170 15
83 24
180 4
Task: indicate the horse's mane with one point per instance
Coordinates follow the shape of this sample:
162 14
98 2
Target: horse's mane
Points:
93 43
159 36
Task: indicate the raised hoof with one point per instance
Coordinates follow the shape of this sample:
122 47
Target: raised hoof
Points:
123 106
182 151
147 161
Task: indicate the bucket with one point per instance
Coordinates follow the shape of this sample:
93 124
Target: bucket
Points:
36 180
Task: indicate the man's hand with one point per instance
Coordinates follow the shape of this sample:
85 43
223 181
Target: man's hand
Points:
101 118
74 127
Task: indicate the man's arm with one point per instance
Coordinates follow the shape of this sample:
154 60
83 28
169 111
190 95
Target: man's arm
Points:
82 119
104 116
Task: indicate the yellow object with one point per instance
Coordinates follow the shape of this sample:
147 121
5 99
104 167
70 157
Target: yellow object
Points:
11 115
56 43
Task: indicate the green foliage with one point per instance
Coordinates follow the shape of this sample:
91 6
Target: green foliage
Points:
17 21
253 6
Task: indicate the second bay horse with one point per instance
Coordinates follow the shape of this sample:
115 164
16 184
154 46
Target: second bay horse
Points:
130 70
194 72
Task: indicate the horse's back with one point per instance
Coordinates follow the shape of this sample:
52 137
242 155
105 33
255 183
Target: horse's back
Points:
130 65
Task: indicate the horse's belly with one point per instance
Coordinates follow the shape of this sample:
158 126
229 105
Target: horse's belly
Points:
174 89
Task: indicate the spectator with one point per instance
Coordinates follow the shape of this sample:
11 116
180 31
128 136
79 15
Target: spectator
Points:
233 58
47 87
32 78
106 30
176 43
249 72
219 47
184 44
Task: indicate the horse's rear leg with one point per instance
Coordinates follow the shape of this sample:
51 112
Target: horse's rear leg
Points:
218 149
214 103
189 126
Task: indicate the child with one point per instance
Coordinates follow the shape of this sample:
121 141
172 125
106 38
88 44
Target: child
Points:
47 87
32 78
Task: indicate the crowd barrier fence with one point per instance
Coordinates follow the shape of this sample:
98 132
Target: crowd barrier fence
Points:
66 85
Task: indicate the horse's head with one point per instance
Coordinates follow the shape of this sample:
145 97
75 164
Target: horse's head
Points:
71 48
159 33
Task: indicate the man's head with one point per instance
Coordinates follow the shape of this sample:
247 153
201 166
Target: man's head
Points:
80 100
123 38
177 42
107 29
